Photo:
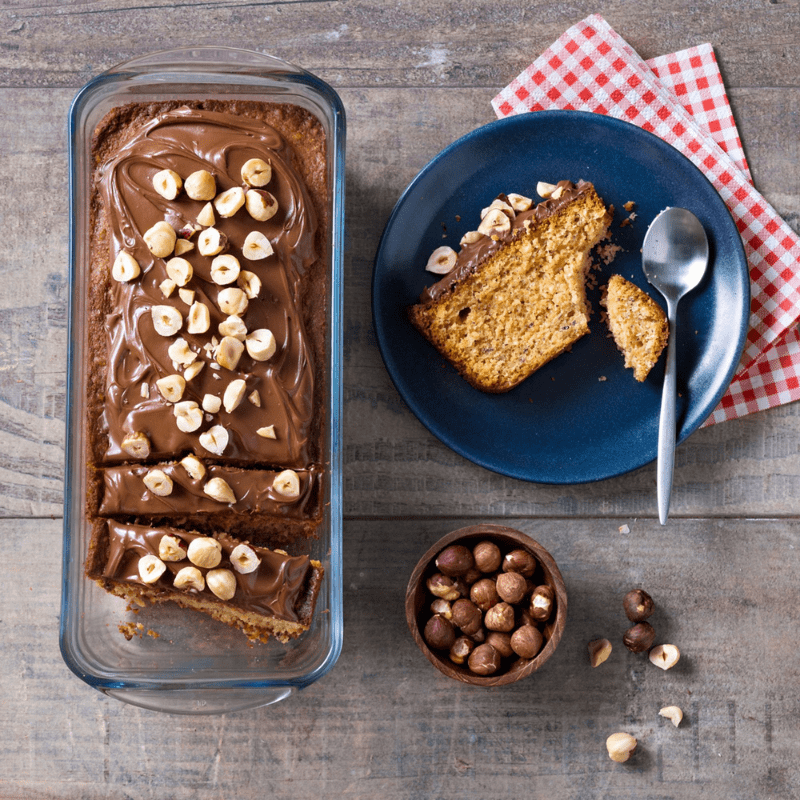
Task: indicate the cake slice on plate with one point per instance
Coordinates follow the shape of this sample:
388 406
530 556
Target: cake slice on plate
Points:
514 297
637 323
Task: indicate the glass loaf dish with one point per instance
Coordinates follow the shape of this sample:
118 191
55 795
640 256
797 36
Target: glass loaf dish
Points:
196 665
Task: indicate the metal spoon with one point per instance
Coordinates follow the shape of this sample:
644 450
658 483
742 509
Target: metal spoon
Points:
674 259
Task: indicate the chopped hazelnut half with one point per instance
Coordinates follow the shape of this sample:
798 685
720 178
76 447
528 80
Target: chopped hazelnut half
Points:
672 713
125 268
158 482
244 559
219 490
256 172
201 185
151 568
160 239
287 483
167 183
229 202
190 578
222 582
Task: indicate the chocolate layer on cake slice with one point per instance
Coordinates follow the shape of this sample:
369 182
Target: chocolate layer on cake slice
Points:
262 592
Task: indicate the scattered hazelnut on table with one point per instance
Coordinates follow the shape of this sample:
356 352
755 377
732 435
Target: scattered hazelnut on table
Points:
487 556
439 633
672 713
639 637
638 605
599 651
484 660
665 656
455 560
620 746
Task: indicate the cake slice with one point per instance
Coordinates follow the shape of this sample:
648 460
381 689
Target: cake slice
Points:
264 593
637 323
515 297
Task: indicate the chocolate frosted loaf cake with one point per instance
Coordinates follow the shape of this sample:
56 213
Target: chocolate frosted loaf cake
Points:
514 297
207 334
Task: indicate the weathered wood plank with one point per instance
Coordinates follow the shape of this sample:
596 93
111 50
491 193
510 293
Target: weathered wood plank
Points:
371 43
384 722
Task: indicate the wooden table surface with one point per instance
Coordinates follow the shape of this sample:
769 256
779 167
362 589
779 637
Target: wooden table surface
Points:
413 76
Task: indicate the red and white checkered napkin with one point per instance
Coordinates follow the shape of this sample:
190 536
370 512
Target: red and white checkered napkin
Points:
681 98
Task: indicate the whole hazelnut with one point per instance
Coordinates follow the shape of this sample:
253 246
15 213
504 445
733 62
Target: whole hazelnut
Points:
511 586
460 649
484 660
501 642
500 617
639 637
487 556
526 641
467 616
439 633
638 605
442 586
519 561
484 594
542 603
455 560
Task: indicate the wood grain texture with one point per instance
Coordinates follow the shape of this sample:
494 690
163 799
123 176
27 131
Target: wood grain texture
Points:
48 43
414 77
385 723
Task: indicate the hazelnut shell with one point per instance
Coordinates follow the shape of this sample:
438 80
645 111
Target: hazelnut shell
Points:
638 605
639 637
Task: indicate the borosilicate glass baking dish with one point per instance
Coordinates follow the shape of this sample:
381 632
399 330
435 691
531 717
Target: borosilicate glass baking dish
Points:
195 665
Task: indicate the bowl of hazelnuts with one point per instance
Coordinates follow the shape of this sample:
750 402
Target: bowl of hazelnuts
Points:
486 605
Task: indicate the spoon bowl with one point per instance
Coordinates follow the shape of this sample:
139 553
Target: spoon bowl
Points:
674 260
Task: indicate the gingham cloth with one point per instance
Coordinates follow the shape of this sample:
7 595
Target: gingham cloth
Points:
681 98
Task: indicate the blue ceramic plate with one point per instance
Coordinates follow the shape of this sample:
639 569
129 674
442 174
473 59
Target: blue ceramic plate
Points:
582 417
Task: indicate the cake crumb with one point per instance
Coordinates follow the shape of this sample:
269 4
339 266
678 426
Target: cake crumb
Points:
629 206
608 252
602 378
624 529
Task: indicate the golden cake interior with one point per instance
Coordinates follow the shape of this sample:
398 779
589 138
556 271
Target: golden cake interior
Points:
637 323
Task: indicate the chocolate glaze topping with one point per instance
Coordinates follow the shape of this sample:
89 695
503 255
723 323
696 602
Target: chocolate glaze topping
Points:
472 255
186 140
275 588
125 494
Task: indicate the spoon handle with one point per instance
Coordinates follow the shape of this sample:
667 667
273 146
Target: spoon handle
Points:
666 424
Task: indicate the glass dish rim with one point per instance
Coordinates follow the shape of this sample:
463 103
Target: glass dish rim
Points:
264 70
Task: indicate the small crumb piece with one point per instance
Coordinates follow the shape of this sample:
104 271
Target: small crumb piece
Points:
624 529
602 378
629 206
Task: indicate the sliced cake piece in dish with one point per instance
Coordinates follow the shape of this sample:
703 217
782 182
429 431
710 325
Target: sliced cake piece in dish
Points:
637 323
515 297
